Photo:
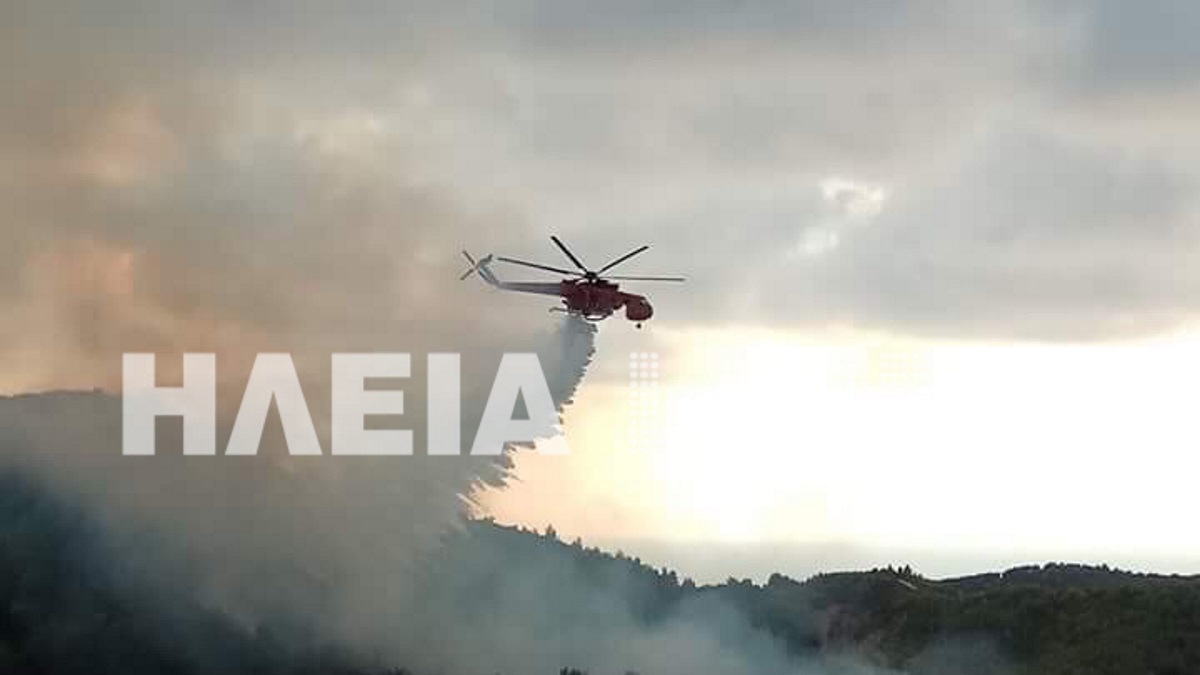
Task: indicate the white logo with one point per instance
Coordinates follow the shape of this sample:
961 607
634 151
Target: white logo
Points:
274 377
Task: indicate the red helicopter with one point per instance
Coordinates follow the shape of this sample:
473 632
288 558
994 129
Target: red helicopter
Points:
585 292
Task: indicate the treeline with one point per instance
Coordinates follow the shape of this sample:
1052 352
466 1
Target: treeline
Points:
67 606
1053 619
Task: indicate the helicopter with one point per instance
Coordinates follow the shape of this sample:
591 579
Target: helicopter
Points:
590 294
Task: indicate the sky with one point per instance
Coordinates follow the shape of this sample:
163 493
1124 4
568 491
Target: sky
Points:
941 293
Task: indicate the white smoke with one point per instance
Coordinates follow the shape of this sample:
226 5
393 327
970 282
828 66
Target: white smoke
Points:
329 539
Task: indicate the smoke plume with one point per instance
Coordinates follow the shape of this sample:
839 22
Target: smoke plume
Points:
327 538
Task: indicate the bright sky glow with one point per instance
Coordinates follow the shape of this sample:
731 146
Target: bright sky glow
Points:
868 439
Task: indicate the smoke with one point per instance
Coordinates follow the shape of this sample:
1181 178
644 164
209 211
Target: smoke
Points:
511 603
369 554
328 541
179 195
183 180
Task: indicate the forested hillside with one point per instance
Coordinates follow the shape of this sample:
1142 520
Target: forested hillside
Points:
68 604
1055 619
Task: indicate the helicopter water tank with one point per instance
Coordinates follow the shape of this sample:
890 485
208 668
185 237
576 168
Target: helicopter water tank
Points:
638 309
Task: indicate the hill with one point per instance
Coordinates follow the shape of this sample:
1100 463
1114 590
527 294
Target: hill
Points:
67 605
1053 619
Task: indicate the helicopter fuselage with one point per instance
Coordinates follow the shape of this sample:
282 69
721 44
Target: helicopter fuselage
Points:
598 299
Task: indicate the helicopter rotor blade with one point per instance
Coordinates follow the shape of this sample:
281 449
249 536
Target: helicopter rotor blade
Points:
526 263
622 259
563 247
635 278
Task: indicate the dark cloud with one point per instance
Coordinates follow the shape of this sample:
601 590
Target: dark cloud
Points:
1135 50
1031 237
208 172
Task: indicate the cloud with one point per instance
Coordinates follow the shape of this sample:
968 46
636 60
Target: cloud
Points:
1036 189
285 139
1028 236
